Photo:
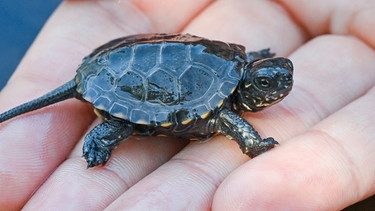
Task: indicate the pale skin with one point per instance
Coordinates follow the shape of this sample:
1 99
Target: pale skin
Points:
326 126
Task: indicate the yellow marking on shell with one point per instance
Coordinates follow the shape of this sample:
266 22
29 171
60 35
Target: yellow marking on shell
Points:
142 122
100 107
231 91
194 139
88 99
79 90
96 111
220 103
166 124
161 135
77 80
119 115
205 115
186 121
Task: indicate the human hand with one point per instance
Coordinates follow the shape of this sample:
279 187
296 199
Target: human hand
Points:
325 126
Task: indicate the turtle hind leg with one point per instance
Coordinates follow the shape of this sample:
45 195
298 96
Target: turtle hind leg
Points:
101 140
235 127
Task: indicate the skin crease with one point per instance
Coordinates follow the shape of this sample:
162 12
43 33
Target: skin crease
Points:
325 126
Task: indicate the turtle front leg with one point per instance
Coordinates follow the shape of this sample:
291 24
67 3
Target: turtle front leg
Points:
235 127
101 140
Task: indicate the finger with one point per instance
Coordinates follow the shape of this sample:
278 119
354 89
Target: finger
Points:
159 13
326 168
246 23
335 17
138 157
50 62
188 180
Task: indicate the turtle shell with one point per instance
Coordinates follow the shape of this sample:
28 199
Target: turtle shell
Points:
162 79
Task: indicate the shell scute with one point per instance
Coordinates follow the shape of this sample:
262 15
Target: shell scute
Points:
145 57
169 81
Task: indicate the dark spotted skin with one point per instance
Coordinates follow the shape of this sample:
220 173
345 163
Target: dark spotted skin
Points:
172 84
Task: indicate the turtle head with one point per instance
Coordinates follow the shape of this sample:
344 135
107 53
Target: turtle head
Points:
265 82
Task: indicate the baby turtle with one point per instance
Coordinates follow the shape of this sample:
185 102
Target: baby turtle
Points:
172 84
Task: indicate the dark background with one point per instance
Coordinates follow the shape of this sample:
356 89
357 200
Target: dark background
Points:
20 22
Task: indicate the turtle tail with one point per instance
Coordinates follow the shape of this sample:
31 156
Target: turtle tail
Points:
66 91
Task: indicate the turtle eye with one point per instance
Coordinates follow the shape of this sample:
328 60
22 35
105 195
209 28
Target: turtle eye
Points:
264 82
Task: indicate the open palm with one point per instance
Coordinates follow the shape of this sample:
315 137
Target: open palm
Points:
325 126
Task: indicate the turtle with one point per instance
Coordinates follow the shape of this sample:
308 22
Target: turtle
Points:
177 85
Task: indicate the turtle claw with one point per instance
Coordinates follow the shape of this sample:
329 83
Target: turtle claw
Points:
260 147
91 163
94 154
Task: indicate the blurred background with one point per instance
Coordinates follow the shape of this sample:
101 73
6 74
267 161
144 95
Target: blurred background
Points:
20 24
